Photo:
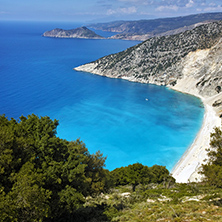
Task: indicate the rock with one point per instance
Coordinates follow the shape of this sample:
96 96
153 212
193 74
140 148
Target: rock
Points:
217 103
150 201
126 194
218 89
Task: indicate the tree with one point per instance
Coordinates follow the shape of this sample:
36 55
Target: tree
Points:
138 174
119 176
160 174
212 170
42 175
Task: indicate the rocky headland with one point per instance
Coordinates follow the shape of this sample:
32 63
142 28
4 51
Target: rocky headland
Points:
190 62
81 32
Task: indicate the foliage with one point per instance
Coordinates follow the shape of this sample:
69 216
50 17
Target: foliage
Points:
212 170
41 175
182 202
136 174
45 178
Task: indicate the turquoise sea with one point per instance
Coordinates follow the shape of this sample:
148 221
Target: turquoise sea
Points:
128 122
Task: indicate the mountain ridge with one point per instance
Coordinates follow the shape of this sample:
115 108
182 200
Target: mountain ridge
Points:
139 30
144 29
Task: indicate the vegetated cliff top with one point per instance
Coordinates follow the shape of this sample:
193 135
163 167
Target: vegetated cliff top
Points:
81 32
164 60
144 29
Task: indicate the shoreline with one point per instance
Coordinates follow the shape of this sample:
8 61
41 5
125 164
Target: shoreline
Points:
186 169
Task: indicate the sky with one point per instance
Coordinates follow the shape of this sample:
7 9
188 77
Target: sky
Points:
102 10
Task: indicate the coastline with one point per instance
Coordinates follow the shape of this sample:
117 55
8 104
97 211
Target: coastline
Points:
186 169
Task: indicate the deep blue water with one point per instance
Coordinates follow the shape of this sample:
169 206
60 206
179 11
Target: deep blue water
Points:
110 115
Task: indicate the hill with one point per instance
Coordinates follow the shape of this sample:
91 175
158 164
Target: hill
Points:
144 29
81 32
163 60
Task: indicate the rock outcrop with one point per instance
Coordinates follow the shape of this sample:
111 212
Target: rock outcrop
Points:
81 32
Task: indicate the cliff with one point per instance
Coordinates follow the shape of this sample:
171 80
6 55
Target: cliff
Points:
81 32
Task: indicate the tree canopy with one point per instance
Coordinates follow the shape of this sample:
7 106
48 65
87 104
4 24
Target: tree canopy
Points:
137 173
42 175
212 170
45 178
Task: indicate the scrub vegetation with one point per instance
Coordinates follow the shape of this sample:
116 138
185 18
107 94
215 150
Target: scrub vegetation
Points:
45 178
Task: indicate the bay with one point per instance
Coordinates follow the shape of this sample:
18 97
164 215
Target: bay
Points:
128 122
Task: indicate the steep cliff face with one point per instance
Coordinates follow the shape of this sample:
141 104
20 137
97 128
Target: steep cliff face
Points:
81 32
204 68
193 57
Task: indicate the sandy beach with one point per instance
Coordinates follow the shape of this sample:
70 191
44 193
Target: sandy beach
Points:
187 168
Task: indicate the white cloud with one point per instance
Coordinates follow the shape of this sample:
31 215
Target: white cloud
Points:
212 4
189 4
129 10
167 7
213 9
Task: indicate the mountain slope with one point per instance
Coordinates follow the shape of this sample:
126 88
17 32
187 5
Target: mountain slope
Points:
81 32
144 29
163 60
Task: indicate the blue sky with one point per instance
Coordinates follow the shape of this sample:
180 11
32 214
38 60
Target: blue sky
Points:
102 10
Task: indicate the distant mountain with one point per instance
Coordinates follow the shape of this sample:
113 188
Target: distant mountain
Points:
81 32
144 29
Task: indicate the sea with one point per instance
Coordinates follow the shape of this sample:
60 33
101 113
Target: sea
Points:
128 122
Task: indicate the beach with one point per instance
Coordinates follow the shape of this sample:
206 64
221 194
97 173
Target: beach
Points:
187 168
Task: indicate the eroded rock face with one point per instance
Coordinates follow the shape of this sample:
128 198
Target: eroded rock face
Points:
205 67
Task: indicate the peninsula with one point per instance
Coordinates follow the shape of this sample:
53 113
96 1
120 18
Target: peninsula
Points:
189 62
82 32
